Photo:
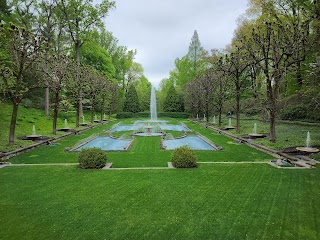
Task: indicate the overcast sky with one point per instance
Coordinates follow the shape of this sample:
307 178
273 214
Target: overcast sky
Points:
161 30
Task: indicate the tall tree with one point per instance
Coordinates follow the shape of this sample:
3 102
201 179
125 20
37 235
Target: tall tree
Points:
94 55
77 84
21 50
47 21
274 46
196 55
234 65
172 102
80 18
207 89
143 87
134 73
56 70
131 103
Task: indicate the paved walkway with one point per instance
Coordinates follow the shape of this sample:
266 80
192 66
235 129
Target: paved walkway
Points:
234 162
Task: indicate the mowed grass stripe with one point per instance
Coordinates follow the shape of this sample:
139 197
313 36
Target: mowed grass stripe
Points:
65 203
252 184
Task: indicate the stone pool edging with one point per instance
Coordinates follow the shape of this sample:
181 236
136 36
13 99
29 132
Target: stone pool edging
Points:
10 154
295 160
209 142
82 142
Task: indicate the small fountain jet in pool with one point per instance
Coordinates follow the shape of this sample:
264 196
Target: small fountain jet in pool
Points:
254 133
83 122
204 118
95 118
229 126
104 117
308 148
214 120
34 135
65 128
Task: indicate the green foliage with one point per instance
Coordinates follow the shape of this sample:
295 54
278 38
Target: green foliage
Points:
131 103
92 158
143 87
121 115
183 157
172 102
294 113
94 55
124 115
174 114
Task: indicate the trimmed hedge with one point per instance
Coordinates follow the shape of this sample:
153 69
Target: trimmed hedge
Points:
125 115
183 157
147 114
92 158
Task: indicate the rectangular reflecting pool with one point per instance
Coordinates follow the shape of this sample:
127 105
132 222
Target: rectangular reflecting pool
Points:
193 142
107 144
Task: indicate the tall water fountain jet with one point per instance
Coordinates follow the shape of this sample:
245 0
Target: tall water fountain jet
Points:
153 105
65 123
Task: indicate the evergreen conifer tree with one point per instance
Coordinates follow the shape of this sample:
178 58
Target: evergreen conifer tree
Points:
172 101
196 55
131 103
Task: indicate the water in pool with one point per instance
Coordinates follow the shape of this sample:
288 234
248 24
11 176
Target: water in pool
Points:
107 144
193 142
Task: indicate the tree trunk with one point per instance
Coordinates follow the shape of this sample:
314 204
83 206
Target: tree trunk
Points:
92 110
46 95
299 75
13 122
77 114
55 114
273 136
220 116
238 96
77 48
102 109
46 100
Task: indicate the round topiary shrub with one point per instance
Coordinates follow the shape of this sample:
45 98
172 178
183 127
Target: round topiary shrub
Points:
92 158
183 157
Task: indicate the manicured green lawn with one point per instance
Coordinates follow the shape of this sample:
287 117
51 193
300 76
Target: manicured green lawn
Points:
211 202
145 151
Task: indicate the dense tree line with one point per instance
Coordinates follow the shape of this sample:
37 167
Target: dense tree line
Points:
56 53
270 68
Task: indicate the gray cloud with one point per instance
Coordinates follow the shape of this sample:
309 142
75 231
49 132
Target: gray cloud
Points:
161 31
